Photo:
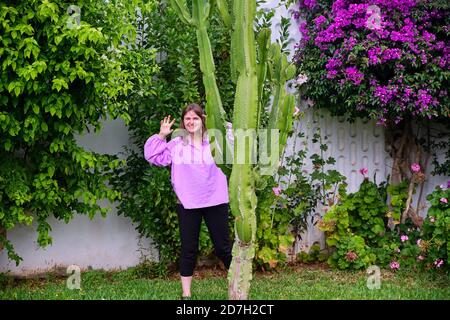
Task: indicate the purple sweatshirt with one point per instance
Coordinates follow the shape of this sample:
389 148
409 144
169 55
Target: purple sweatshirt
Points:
196 179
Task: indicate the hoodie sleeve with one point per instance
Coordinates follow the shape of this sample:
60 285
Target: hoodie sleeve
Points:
157 151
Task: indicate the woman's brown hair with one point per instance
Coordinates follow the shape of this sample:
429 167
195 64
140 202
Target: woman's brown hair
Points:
198 111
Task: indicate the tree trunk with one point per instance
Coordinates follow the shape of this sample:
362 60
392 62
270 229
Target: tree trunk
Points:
240 273
405 150
2 235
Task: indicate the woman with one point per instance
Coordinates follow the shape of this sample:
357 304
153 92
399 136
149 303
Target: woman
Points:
200 186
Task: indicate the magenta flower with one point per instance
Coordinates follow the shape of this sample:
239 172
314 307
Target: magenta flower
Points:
420 258
418 242
415 167
432 219
443 200
352 74
276 191
331 74
404 238
320 21
363 171
391 54
373 54
310 4
395 265
381 122
333 63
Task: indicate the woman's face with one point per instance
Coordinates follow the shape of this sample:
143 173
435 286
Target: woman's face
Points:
192 122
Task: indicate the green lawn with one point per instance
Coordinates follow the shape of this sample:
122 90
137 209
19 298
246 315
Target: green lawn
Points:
299 283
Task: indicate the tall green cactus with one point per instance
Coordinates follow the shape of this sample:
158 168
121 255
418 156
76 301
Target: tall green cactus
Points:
201 11
249 68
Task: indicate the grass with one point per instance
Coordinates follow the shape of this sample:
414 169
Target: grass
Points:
293 283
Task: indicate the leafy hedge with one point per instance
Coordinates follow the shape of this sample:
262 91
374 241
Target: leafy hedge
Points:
60 76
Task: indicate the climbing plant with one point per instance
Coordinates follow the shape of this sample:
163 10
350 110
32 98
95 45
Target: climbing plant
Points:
65 69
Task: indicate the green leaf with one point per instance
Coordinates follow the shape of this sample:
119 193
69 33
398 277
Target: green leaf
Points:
8 145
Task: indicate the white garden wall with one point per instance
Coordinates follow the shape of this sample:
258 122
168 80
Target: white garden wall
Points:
109 243
112 242
354 146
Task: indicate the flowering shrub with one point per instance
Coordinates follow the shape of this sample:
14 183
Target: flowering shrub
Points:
358 233
356 225
435 237
363 212
284 213
352 253
383 59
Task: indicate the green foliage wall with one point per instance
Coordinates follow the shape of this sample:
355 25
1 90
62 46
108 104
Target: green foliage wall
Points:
60 76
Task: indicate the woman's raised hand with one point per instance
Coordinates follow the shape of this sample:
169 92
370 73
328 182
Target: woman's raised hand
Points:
166 124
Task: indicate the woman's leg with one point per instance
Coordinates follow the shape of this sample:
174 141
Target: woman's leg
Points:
189 224
216 219
186 286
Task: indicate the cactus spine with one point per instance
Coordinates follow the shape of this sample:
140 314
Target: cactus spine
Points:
249 76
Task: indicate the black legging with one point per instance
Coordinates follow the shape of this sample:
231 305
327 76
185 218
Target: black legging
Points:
216 218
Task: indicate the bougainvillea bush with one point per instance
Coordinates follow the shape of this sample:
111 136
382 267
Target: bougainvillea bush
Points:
384 59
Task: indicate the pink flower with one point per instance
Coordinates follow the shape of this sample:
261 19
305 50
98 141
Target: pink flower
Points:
432 219
421 257
438 263
418 242
301 79
397 250
296 111
351 256
276 191
363 171
404 238
395 265
443 200
415 167
381 122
